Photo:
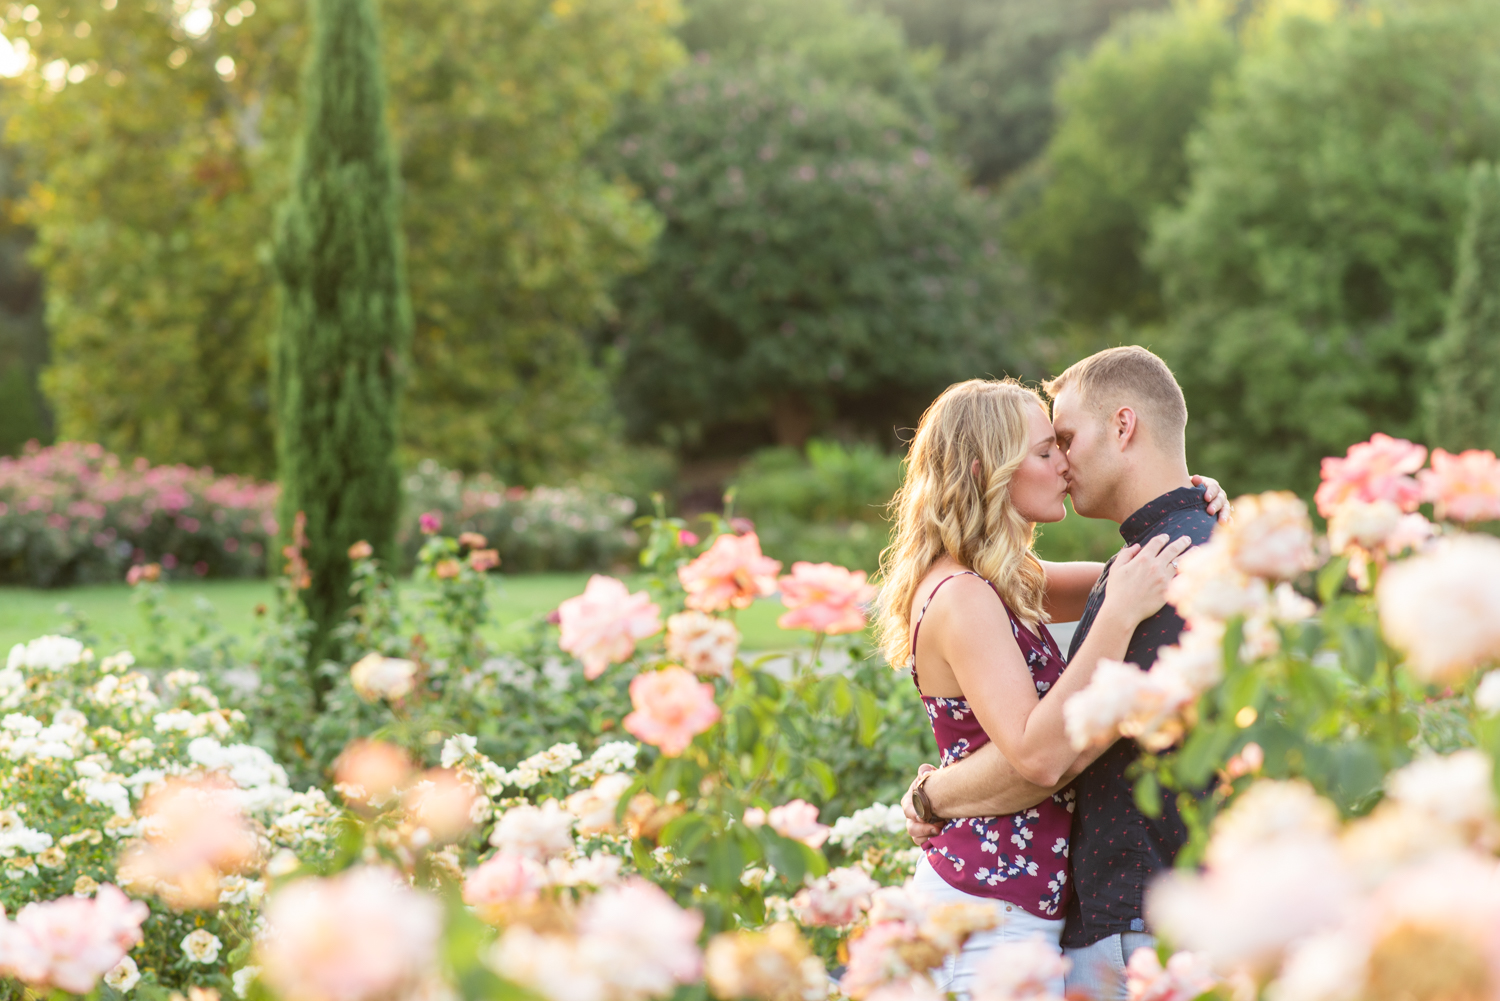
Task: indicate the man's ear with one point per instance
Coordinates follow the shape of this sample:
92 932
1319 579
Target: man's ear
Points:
1123 426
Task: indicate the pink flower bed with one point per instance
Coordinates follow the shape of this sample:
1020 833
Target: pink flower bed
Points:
74 513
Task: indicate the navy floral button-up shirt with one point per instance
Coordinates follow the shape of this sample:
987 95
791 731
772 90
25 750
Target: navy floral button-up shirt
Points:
1116 849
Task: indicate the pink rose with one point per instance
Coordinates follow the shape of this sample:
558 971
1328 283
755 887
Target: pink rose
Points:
731 574
1463 487
798 820
506 878
704 644
430 522
671 708
600 626
1378 469
825 598
70 942
1185 977
835 900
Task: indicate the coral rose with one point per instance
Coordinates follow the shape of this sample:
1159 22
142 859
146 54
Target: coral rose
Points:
671 708
731 574
825 598
1378 469
1442 607
1463 487
194 833
704 644
600 627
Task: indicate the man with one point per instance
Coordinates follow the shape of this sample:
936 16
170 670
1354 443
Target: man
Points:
1121 417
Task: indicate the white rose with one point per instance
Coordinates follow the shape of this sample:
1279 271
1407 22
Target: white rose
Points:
124 976
201 946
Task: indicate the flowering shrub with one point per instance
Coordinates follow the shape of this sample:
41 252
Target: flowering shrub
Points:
73 513
113 779
541 528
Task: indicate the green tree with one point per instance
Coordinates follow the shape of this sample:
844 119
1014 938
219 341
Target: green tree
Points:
1308 267
1000 62
157 180
1463 403
819 262
1118 156
345 321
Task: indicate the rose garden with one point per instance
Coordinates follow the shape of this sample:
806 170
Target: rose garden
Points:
447 451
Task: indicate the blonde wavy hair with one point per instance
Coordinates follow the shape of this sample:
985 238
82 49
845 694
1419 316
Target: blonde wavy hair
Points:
944 508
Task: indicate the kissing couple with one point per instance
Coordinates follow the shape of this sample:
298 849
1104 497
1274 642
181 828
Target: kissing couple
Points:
1016 818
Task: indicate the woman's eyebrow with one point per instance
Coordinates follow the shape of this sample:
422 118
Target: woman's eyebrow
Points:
1049 440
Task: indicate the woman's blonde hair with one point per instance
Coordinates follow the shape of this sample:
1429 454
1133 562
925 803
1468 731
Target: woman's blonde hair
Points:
944 508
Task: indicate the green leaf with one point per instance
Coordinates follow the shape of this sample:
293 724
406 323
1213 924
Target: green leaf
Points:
789 857
823 775
1331 578
726 862
1148 794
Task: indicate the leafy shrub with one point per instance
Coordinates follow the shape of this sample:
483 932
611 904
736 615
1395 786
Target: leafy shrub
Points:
828 505
541 528
74 513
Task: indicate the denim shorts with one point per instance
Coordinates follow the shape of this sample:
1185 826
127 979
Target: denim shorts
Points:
1016 924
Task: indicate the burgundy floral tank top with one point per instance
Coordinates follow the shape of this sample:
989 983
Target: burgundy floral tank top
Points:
1021 858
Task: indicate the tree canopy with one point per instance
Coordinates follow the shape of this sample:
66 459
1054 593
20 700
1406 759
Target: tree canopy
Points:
818 260
1307 269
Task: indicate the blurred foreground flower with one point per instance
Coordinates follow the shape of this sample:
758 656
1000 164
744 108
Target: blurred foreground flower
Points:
357 936
1378 469
1271 536
371 773
771 965
671 708
194 833
442 804
1014 971
798 821
1442 607
1463 487
706 645
730 574
1185 977
601 626
376 676
825 598
835 900
71 942
630 942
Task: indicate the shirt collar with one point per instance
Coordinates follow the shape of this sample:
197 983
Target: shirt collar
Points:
1137 528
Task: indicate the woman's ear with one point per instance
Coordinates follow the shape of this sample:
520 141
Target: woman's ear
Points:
974 469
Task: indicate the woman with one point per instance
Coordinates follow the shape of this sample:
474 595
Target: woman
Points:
964 605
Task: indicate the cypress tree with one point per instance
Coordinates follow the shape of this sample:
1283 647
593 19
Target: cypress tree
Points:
1463 403
345 320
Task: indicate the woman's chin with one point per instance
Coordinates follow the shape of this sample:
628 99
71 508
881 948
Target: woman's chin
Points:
1055 515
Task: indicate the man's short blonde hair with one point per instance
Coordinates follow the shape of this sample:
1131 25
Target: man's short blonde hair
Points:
1132 377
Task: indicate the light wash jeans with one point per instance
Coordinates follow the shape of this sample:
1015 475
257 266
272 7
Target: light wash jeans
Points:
1016 924
1097 972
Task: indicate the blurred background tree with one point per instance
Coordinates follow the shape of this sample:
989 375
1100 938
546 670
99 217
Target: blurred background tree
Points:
161 138
1463 402
1308 267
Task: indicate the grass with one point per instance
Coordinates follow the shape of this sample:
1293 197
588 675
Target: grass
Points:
26 613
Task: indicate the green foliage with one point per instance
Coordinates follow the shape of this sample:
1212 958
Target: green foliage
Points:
158 178
1001 59
826 506
1308 266
818 260
1463 403
1119 156
837 39
345 321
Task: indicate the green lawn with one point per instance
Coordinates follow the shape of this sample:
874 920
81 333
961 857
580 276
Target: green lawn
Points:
26 613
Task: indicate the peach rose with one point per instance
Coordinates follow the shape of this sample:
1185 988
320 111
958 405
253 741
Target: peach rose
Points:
1463 487
671 708
731 574
825 598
